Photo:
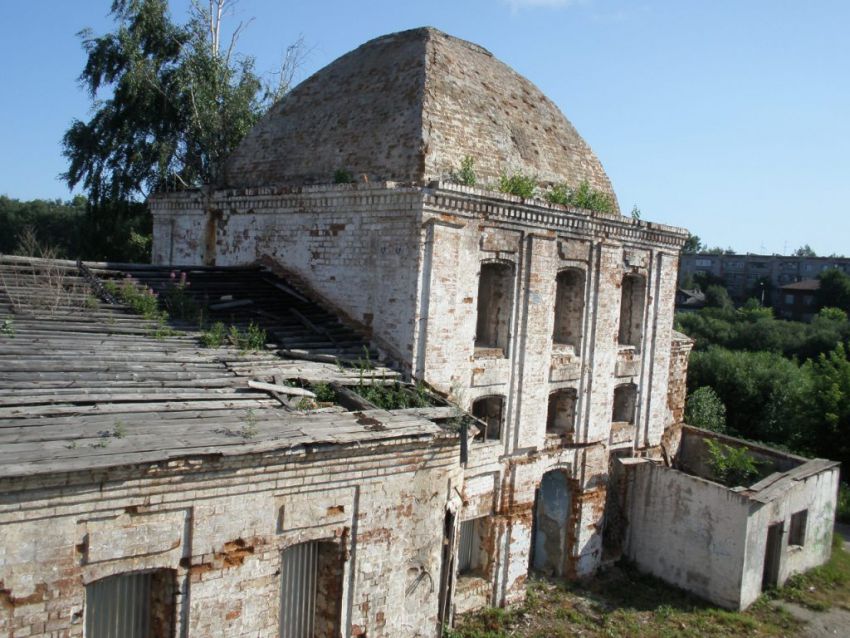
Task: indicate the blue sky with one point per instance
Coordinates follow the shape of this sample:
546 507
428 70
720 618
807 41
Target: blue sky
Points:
728 117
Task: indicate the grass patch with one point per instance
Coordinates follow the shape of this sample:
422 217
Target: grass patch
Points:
620 602
843 513
524 186
393 396
250 340
822 587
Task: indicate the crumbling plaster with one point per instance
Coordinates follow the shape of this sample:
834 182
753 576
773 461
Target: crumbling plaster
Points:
418 291
221 525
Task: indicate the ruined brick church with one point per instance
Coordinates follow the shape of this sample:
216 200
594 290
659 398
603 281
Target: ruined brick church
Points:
551 326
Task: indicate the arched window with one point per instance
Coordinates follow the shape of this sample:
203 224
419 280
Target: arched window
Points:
562 412
491 411
552 546
311 576
132 605
495 303
569 308
625 401
631 310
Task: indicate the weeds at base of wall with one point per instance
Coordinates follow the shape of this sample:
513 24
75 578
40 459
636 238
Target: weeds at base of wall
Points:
620 601
843 509
822 587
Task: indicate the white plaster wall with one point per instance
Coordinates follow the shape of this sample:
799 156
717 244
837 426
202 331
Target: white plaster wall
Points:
818 494
687 531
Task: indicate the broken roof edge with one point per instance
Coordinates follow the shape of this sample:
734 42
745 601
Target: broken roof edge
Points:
39 424
198 461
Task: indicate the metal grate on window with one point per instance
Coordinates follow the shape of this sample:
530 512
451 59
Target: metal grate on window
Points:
466 546
299 566
119 607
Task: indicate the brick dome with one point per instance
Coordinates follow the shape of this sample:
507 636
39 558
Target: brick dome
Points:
408 107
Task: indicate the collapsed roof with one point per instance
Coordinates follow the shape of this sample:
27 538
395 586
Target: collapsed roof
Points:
87 383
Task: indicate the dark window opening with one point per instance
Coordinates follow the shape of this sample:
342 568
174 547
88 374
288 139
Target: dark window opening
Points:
569 308
495 302
625 401
311 590
631 310
797 531
561 416
489 410
135 605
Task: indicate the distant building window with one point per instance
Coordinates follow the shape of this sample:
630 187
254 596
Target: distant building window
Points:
808 300
758 264
789 300
797 533
703 263
810 267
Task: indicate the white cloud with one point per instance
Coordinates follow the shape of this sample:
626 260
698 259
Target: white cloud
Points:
517 5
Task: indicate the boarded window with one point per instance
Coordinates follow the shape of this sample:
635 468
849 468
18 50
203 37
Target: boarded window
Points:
569 308
797 531
489 410
561 416
470 557
495 303
625 399
311 590
137 605
631 310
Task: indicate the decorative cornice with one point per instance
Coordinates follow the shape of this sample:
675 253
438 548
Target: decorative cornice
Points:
475 202
438 197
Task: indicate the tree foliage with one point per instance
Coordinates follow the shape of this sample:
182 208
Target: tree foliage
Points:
834 291
693 245
583 196
704 409
178 102
717 297
119 231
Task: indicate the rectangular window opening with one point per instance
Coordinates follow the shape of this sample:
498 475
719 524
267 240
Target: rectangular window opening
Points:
797 531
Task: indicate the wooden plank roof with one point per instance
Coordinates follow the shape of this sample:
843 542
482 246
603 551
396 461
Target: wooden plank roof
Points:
85 383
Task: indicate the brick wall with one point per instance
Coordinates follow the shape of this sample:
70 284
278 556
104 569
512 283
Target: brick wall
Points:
221 525
447 233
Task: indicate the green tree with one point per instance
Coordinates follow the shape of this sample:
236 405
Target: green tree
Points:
804 251
764 392
829 401
704 409
180 102
717 297
834 291
692 245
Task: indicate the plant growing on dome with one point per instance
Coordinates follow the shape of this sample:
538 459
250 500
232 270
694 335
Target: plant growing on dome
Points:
524 186
342 176
583 196
466 174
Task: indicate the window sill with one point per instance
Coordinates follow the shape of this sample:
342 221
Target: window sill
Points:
486 352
